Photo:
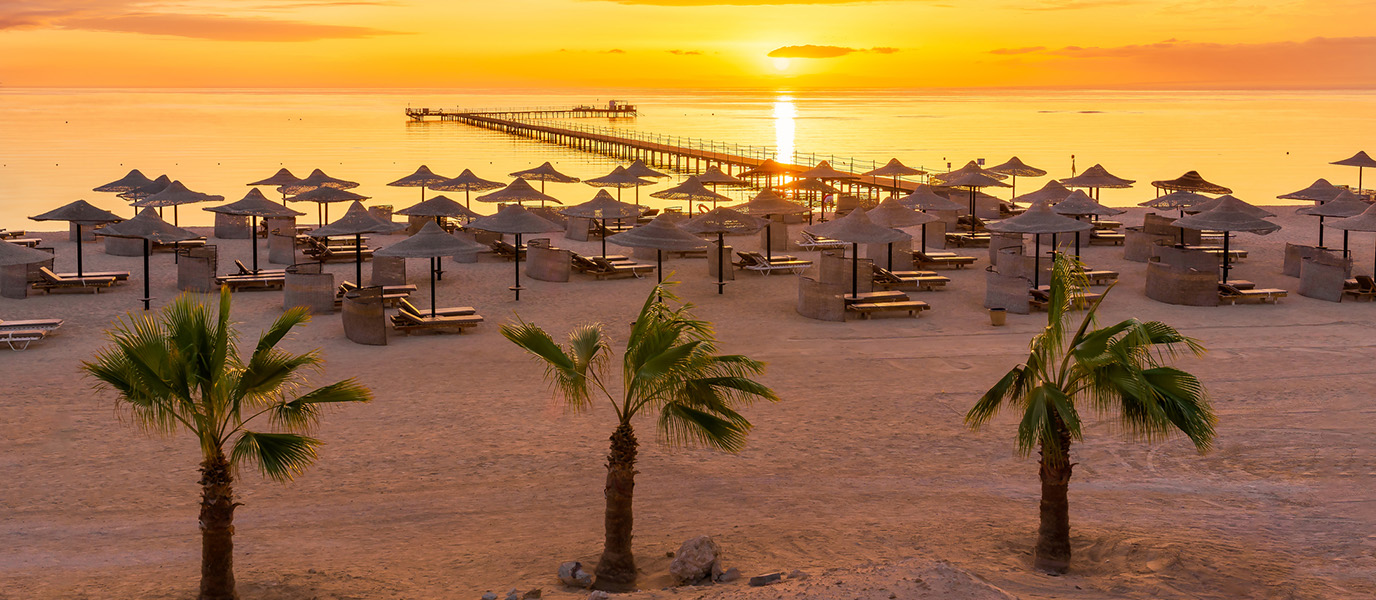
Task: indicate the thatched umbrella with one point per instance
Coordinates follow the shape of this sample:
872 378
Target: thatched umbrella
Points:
1251 210
924 199
157 185
466 182
1015 168
1077 205
79 213
130 182
438 208
639 169
1191 181
430 242
317 179
323 196
769 168
713 176
812 186
970 167
1319 191
619 179
422 179
516 220
1095 178
973 181
356 222
661 234
1228 214
722 221
14 254
282 177
892 213
149 227
1178 200
516 192
603 208
895 169
1050 193
543 173
825 172
1366 221
1346 204
255 205
1039 219
174 195
767 204
1359 160
690 191
857 228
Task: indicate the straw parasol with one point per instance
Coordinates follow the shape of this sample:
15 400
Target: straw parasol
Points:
1366 221
924 199
690 191
767 204
857 228
466 182
603 207
970 167
1228 214
1254 211
422 179
722 221
516 220
430 242
1346 204
769 168
1178 200
14 254
713 176
1319 191
892 213
824 172
438 208
543 173
895 169
149 227
153 187
254 205
317 179
1038 220
356 222
1359 160
323 196
619 179
639 169
79 213
130 182
1077 205
814 187
974 181
1015 168
1051 193
661 234
282 177
174 195
516 192
1095 178
1191 181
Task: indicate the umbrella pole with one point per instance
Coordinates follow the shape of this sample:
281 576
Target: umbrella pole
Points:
1014 193
1344 243
769 240
516 264
972 208
435 262
432 289
1037 262
604 238
78 250
1077 244
854 270
890 256
253 240
1226 235
177 246
721 247
467 203
147 291
358 259
1320 231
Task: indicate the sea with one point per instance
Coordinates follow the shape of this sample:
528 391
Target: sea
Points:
58 144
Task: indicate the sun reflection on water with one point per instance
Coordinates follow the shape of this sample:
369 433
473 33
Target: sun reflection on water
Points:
784 112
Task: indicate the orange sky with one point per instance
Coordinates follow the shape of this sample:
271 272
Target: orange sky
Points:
688 43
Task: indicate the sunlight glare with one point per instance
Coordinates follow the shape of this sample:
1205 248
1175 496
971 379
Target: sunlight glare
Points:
781 64
784 112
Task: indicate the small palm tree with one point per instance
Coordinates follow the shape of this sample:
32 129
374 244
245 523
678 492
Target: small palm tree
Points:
670 366
181 369
1117 369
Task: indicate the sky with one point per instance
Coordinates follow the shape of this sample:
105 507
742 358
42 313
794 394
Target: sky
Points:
702 44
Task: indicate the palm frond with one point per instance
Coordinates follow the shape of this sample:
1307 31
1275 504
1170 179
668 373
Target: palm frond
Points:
302 413
278 456
569 376
681 425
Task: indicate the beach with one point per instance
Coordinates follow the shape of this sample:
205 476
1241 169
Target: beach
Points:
465 476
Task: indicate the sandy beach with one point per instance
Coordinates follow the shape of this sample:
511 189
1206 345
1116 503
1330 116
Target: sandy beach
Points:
464 476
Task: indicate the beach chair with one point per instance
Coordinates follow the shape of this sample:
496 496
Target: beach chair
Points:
6 234
932 260
52 282
1366 289
1107 237
19 339
244 270
443 311
606 267
261 281
326 252
815 242
964 238
1230 294
120 276
970 223
891 301
408 321
505 250
47 326
26 242
754 261
925 281
391 294
1041 298
1100 277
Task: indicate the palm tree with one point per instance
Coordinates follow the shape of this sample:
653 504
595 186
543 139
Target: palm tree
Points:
181 369
1120 368
670 365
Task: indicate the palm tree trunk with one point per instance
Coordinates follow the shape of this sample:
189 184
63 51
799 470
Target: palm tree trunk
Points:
1053 537
217 530
616 569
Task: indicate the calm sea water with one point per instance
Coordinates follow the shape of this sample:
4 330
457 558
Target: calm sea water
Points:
55 145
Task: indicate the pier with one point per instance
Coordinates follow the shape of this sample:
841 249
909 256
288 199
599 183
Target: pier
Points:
614 109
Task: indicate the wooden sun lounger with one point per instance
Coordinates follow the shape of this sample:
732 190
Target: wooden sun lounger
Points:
754 261
1100 277
26 242
120 276
1234 254
391 294
52 282
407 322
608 268
868 303
813 242
443 311
173 246
46 325
262 281
1107 237
1366 288
19 339
6 234
1041 298
958 262
963 239
1229 294
244 270
925 282
505 250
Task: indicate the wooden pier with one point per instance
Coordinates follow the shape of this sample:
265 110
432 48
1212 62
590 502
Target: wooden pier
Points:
614 109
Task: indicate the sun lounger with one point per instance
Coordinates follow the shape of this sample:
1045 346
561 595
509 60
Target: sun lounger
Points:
926 281
869 303
754 261
120 276
963 239
244 270
48 325
27 242
261 281
52 282
6 234
932 260
173 246
391 294
1100 277
1230 294
606 268
1041 298
814 242
19 339
1366 289
970 223
1105 237
408 321
443 311
329 250
505 250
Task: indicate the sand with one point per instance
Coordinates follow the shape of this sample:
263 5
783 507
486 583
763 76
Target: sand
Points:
465 476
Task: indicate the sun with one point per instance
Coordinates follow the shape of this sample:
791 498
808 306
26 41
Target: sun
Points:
781 64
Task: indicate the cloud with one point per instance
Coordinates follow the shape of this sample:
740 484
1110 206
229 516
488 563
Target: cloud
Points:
615 51
686 52
1012 51
811 51
740 2
1048 5
140 17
